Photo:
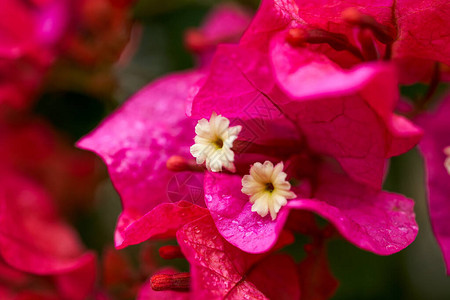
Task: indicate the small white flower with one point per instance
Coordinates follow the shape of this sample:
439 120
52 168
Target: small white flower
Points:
447 160
213 143
267 187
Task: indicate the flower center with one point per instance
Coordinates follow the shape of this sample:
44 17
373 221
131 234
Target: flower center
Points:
270 187
218 143
213 142
260 186
447 160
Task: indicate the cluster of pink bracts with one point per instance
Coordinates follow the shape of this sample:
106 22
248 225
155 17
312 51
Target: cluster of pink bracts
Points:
312 84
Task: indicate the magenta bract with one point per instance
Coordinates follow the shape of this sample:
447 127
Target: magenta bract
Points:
409 32
352 122
136 142
437 137
28 34
220 270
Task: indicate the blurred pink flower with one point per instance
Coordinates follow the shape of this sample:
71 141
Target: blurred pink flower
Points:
136 142
224 24
28 37
35 240
434 148
414 34
36 34
36 150
99 32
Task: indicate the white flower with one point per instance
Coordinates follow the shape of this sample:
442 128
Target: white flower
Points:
213 143
447 160
267 187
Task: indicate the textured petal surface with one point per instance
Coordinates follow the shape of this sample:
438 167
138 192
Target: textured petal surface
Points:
231 211
437 137
350 115
424 30
221 271
420 29
161 222
243 104
376 221
327 14
302 73
352 121
137 140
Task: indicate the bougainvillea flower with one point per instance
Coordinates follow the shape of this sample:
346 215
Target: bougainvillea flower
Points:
219 270
34 239
352 121
347 122
407 31
434 148
28 34
137 148
136 142
213 142
267 188
224 24
377 221
32 147
100 32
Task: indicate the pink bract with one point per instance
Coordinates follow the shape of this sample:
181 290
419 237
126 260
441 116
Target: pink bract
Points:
135 143
423 30
418 31
352 122
437 137
377 221
224 24
220 270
